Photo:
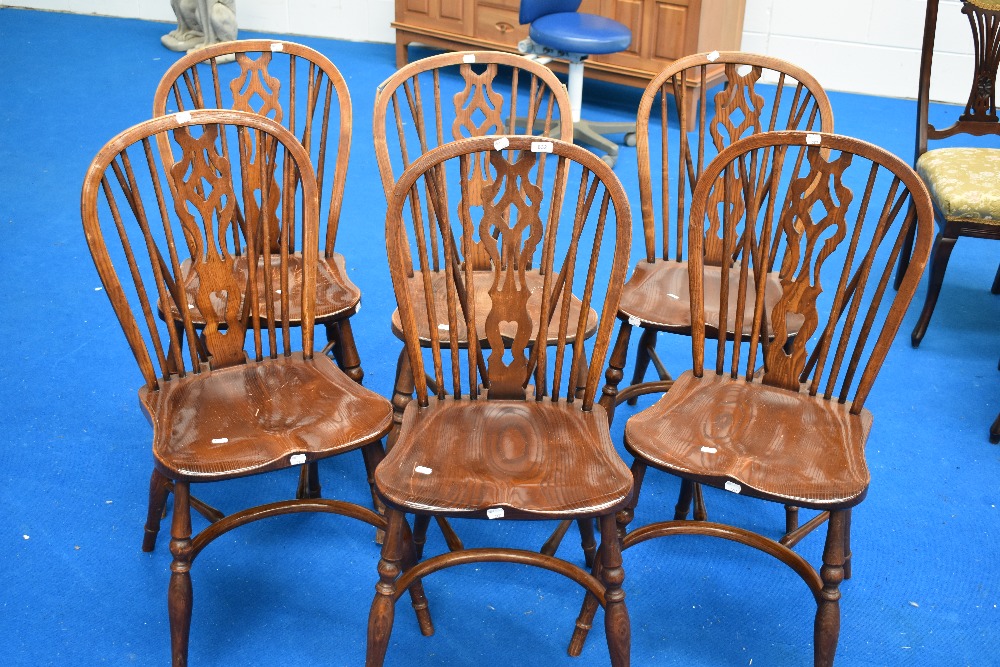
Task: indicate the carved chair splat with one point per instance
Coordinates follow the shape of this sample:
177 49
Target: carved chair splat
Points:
781 416
500 427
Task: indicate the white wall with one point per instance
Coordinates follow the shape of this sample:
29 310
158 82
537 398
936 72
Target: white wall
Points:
862 46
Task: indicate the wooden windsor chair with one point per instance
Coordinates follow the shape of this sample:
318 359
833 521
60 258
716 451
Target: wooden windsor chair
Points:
300 88
961 179
233 397
444 98
505 432
759 93
824 209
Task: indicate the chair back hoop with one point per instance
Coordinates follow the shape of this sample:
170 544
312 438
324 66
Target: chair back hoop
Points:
428 114
979 115
530 10
759 93
524 295
184 242
795 208
290 83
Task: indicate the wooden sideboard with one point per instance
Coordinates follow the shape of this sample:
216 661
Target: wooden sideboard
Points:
662 30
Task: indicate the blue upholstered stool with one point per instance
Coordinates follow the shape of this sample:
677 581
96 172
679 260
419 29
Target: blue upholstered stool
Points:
559 31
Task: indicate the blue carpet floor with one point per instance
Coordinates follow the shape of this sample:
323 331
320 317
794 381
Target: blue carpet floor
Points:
75 588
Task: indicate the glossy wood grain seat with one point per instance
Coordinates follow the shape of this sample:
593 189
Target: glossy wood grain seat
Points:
781 416
522 456
657 295
482 279
503 429
718 430
256 417
655 298
336 295
241 392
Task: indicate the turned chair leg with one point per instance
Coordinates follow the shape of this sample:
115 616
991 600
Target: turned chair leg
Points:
791 518
847 544
345 351
616 622
690 491
827 627
179 595
402 394
585 620
587 540
418 600
383 610
647 342
616 370
159 489
943 246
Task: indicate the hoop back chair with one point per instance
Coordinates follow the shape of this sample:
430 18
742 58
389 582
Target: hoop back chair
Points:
781 417
559 30
962 180
240 396
502 431
656 298
445 98
301 89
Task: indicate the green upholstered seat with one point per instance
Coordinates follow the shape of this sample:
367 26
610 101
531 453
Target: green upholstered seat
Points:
964 182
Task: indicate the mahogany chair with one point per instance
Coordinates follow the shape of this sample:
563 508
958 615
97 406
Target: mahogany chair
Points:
781 417
240 396
962 180
505 432
759 93
448 97
301 89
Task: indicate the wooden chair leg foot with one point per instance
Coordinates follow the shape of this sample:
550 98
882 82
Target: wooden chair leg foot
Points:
943 246
617 626
383 610
179 594
159 489
827 626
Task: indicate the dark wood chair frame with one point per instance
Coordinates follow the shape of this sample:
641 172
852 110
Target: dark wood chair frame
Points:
738 110
787 365
480 110
493 382
256 85
978 118
217 353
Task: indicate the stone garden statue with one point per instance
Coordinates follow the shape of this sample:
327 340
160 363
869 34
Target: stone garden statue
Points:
201 23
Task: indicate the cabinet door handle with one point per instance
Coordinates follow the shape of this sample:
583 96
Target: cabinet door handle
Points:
504 27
